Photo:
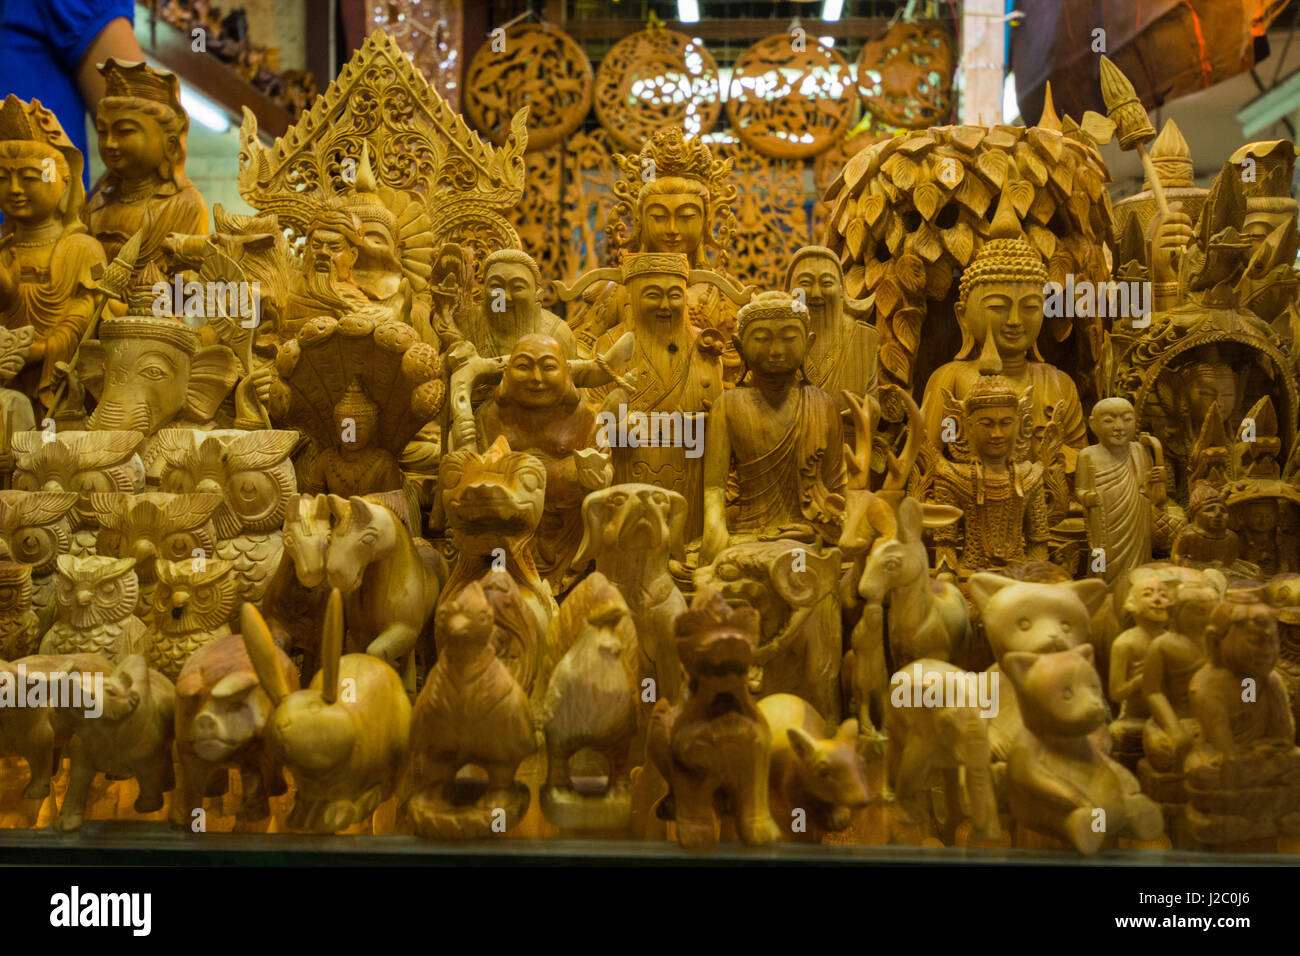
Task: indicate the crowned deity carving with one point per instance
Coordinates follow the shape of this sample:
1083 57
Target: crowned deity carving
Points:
779 435
842 344
1000 310
48 262
1123 491
142 130
1000 494
678 200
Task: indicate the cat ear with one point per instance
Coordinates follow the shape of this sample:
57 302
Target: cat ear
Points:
1091 591
985 584
1085 651
1016 664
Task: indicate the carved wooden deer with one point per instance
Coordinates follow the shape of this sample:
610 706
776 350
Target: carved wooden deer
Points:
871 519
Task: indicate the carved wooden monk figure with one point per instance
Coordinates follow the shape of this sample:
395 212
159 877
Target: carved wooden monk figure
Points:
511 308
784 435
46 255
678 197
1123 491
142 129
1000 310
1004 512
540 411
842 346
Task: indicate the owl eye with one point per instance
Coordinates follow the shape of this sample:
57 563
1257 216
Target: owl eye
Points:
203 597
91 481
108 589
31 546
179 546
6 595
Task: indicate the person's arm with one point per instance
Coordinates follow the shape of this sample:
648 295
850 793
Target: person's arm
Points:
117 40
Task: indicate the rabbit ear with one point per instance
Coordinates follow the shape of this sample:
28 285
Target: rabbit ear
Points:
331 646
261 651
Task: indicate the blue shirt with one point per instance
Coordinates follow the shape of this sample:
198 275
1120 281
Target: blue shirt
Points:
41 43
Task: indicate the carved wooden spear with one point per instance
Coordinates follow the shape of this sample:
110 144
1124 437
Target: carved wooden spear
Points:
1132 124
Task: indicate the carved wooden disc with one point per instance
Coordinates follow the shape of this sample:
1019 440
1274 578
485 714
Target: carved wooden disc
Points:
905 76
789 97
655 79
540 67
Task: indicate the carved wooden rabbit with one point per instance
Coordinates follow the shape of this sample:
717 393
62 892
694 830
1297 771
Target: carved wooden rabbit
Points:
221 718
125 732
345 737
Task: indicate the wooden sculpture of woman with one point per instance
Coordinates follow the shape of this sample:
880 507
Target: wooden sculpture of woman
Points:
679 200
142 130
1004 511
47 259
1000 310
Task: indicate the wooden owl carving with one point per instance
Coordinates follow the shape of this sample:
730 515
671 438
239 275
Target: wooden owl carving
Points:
250 469
193 605
253 473
155 525
19 629
36 527
79 461
94 608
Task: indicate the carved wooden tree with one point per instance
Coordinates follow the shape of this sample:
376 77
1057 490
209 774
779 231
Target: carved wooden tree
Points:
909 213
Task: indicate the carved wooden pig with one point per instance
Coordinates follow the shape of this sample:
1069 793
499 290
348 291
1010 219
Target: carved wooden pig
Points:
221 714
821 774
130 737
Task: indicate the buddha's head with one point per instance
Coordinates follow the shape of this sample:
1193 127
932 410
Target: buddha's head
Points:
992 418
378 243
355 417
512 281
141 124
772 334
656 288
1208 380
40 169
1113 422
1000 299
537 375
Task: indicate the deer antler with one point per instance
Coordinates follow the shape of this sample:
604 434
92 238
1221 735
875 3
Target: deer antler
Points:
858 459
900 467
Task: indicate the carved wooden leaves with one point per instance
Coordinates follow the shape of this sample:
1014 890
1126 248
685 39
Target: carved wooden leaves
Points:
788 97
911 212
534 65
905 75
655 79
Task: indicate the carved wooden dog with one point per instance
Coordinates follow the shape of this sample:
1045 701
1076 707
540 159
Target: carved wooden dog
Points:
491 504
631 531
714 748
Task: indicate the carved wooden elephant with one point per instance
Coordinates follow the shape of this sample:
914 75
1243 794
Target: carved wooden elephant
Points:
927 741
